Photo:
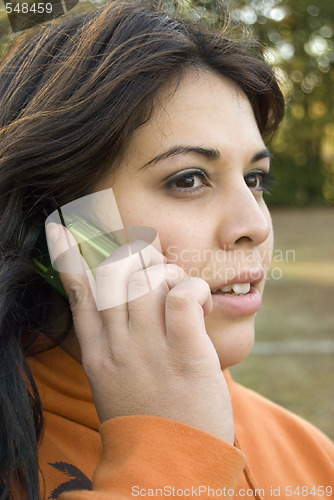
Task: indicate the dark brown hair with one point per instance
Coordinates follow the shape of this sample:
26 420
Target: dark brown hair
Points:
71 94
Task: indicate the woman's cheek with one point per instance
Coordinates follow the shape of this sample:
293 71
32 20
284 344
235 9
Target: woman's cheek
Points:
188 259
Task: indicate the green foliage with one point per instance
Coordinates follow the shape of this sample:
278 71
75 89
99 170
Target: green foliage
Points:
298 39
5 31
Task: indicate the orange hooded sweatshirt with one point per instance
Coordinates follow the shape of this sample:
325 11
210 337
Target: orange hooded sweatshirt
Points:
145 457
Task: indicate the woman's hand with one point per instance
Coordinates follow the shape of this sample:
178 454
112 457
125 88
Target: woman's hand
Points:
150 355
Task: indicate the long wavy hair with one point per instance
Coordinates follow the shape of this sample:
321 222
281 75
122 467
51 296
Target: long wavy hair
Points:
71 94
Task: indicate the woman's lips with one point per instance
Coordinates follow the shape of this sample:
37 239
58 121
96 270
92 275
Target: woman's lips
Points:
238 304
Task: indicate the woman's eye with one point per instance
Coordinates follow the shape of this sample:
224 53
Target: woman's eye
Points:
190 180
259 181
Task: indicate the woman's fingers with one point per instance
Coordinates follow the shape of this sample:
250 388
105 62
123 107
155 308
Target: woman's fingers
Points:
110 293
186 304
115 273
147 312
133 285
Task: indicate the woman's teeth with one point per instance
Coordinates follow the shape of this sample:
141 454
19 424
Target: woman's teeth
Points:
235 289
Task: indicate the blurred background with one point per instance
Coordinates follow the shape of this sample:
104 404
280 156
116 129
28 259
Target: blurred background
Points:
293 358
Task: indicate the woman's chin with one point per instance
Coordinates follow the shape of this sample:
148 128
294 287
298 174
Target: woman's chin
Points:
233 341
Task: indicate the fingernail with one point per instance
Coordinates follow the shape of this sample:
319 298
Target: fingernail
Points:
52 232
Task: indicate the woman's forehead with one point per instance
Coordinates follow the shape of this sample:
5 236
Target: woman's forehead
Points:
205 109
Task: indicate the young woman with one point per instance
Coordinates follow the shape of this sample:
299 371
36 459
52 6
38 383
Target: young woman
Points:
172 116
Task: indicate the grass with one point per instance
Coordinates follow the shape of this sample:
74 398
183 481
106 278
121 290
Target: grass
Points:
298 307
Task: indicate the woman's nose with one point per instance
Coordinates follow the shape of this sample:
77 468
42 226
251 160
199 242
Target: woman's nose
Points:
245 221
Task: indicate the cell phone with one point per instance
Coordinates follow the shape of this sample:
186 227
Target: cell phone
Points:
94 245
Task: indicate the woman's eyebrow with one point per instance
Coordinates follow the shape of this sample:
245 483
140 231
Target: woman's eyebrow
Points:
208 153
264 153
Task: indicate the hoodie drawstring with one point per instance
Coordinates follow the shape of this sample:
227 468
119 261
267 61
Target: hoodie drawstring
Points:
248 475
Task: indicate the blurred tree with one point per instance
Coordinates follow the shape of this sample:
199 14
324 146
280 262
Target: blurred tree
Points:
298 38
5 30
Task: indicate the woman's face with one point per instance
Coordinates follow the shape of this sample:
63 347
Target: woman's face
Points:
196 172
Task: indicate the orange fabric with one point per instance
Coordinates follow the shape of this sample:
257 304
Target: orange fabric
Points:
139 456
284 452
